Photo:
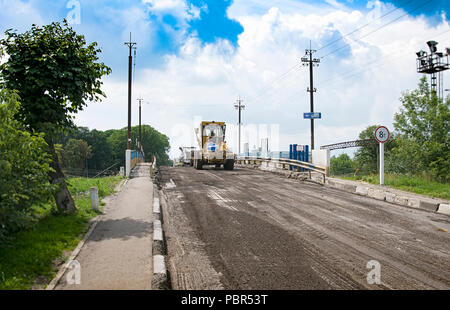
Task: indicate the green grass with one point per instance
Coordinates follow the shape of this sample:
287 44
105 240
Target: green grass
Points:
416 184
32 253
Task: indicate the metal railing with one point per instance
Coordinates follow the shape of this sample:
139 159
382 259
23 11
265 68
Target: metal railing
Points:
285 164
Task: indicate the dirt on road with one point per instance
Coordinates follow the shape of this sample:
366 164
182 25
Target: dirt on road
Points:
248 229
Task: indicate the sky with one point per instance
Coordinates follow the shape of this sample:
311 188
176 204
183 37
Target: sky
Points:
195 58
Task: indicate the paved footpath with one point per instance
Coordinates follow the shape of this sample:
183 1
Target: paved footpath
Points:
118 253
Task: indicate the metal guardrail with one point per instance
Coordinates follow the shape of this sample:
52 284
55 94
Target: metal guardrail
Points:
286 163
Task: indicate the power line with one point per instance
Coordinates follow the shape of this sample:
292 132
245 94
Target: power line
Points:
279 78
357 29
368 65
377 29
297 66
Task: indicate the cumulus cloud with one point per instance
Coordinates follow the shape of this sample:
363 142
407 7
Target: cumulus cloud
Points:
18 15
357 86
359 81
178 8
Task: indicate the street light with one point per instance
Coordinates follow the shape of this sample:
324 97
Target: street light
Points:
433 63
421 54
432 46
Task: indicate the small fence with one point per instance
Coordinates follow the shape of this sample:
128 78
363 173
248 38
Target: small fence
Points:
285 164
91 173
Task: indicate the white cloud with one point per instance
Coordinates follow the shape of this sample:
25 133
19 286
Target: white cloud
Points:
177 8
18 15
354 91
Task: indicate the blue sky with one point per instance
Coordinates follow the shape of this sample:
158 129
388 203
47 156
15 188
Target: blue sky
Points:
195 57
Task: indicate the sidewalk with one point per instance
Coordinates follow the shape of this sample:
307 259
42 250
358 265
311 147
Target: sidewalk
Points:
118 253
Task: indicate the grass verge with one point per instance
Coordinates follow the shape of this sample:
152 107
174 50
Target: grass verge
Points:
31 255
414 184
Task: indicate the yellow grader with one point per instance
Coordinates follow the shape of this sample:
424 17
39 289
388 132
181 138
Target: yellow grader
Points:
213 148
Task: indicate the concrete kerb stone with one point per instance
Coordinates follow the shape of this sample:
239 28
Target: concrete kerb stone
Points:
428 205
444 208
390 197
375 193
381 194
362 190
160 278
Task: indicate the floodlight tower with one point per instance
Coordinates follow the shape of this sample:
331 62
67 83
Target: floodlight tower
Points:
434 64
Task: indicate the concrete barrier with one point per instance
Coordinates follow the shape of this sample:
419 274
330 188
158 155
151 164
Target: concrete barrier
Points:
362 190
444 208
321 158
386 195
377 194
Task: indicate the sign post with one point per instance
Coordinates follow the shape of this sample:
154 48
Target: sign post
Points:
382 136
312 115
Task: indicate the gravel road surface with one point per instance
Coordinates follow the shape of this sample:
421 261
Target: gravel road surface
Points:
248 229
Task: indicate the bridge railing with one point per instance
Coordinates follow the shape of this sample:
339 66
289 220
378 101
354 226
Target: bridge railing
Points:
285 164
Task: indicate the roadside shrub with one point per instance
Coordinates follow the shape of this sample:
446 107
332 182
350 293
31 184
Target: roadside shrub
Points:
342 165
24 168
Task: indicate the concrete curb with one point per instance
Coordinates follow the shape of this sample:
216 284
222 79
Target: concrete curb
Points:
399 198
444 208
160 280
383 194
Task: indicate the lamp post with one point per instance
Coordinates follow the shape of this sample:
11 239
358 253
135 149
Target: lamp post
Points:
434 63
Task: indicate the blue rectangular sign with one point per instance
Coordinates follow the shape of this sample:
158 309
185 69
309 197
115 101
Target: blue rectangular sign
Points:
311 115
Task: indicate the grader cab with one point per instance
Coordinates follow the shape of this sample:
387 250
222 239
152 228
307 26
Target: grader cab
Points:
213 148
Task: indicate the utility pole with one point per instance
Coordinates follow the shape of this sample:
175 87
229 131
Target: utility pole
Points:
239 106
309 61
140 135
130 69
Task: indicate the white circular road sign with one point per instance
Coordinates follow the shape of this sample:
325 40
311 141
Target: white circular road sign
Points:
382 134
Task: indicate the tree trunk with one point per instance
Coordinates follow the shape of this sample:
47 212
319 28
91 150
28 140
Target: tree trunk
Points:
64 200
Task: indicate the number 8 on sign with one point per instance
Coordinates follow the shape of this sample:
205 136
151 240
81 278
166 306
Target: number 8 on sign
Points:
382 134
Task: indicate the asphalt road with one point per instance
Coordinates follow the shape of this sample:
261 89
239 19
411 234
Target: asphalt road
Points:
248 229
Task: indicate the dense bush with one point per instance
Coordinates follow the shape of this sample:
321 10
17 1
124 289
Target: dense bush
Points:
341 165
24 168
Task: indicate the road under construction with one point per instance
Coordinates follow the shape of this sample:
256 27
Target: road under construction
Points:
253 229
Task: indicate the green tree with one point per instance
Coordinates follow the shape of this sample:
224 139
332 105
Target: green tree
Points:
76 152
24 168
56 73
424 132
366 156
341 165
